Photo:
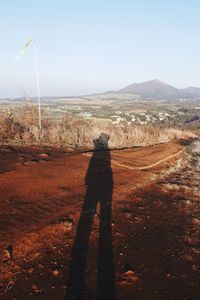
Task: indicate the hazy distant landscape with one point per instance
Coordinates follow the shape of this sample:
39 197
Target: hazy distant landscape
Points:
145 103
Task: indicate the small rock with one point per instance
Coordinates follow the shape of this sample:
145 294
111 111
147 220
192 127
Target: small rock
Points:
188 202
36 255
31 270
68 222
197 221
44 155
36 289
128 215
55 273
7 254
21 158
194 268
137 219
118 234
130 277
129 273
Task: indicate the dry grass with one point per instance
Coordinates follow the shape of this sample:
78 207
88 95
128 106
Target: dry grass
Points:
20 127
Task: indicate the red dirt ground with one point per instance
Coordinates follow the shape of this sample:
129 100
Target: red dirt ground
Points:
101 225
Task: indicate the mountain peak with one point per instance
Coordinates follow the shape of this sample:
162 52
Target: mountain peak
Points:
157 81
160 90
150 89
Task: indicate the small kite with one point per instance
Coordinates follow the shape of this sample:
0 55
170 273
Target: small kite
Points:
31 40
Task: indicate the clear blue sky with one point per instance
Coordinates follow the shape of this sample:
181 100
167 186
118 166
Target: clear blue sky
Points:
90 46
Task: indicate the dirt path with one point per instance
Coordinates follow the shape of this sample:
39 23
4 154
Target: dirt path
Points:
74 225
168 158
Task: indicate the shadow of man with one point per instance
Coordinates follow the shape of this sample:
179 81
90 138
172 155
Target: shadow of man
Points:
99 182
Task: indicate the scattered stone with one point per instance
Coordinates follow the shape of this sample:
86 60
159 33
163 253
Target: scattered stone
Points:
137 219
129 277
141 208
196 221
128 215
188 202
43 155
31 270
7 254
21 158
55 273
36 255
36 289
68 222
194 268
118 234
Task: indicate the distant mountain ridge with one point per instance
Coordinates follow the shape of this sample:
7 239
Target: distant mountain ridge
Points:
160 90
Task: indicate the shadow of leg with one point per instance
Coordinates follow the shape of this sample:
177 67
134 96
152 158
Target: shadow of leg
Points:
80 248
106 277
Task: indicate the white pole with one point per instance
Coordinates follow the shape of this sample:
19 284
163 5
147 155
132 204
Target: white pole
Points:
38 85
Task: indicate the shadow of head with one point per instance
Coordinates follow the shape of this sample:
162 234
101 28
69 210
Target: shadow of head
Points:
102 141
